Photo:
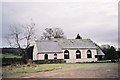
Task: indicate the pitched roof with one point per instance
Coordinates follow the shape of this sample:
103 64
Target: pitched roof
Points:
56 45
75 43
100 52
48 46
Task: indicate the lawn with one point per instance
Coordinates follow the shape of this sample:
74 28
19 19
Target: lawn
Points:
33 68
7 55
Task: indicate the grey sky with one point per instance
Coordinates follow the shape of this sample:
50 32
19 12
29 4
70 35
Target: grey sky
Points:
94 19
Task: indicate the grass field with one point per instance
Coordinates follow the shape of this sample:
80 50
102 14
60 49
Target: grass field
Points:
33 68
11 70
9 56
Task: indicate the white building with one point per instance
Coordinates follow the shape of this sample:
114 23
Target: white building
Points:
71 50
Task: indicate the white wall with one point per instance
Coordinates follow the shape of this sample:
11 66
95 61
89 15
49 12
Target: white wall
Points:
72 55
35 51
50 56
40 56
60 56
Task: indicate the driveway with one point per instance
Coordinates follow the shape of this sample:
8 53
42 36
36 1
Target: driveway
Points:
103 71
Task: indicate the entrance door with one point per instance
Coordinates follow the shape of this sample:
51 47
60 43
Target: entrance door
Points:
46 56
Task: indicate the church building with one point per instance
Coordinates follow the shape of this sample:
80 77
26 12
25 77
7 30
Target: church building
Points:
70 50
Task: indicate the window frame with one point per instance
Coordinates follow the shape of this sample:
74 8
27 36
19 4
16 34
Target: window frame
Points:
78 56
55 56
66 56
89 54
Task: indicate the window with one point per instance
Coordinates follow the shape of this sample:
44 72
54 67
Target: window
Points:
89 54
46 56
78 54
55 56
66 54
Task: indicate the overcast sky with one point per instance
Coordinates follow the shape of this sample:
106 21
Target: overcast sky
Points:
94 19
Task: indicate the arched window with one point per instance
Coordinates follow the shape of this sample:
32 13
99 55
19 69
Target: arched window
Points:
89 54
46 56
55 56
78 54
66 54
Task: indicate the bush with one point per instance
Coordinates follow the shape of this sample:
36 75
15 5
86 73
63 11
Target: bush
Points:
10 61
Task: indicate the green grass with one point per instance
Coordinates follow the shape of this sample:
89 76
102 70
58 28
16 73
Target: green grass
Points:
32 68
9 56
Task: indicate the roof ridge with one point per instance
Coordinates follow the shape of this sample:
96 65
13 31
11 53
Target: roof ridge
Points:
44 41
77 39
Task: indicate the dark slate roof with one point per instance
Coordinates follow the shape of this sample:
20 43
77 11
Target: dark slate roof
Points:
100 52
75 43
48 46
56 45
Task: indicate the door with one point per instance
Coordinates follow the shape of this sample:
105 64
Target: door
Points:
46 56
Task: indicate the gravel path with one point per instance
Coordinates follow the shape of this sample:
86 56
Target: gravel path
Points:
103 71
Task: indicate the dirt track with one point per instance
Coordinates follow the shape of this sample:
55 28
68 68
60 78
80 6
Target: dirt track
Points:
103 71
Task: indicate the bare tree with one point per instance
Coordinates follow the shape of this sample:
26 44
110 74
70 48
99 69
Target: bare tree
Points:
53 33
48 33
20 37
58 33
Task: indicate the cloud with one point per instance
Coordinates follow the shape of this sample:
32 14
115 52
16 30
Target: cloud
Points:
92 19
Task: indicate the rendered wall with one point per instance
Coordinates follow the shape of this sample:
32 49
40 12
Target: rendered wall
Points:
50 56
72 56
35 51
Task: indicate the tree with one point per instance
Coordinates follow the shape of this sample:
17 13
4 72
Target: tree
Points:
78 37
20 37
48 34
53 33
118 53
58 33
111 53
